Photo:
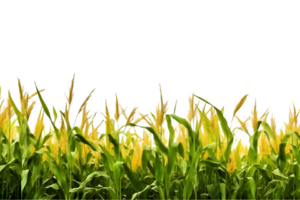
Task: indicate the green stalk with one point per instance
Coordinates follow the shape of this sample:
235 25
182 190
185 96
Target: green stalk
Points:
70 184
2 185
161 193
195 190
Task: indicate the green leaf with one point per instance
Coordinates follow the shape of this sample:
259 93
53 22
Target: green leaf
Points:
134 180
204 196
264 173
46 110
225 128
17 151
38 193
88 179
253 149
171 131
38 144
108 162
222 120
157 140
278 173
46 138
153 116
147 156
269 134
223 190
206 126
116 146
241 183
16 110
210 189
272 190
118 173
24 178
135 195
175 109
58 172
281 160
82 139
55 114
54 186
2 167
151 169
210 163
287 136
172 157
251 170
190 179
252 186
190 132
268 130
36 168
159 170
295 153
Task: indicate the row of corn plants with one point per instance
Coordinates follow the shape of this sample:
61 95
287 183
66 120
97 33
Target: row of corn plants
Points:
197 161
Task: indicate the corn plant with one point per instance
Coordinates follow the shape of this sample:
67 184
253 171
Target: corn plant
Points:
197 161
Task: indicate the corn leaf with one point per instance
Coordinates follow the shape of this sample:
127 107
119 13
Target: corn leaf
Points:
206 126
116 146
88 179
175 147
159 170
226 130
36 169
171 131
3 167
134 180
190 132
190 179
55 114
24 179
252 186
118 174
281 160
278 173
135 195
82 139
46 111
147 156
210 163
223 190
156 139
58 172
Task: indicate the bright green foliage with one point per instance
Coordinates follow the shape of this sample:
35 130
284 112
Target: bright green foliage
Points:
197 161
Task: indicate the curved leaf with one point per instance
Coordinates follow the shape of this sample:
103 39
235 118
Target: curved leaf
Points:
134 180
84 140
147 156
171 131
281 160
157 140
24 179
175 147
58 172
191 134
252 186
190 179
135 195
88 179
118 173
46 110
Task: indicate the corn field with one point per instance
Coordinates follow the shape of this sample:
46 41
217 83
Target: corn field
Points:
197 161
